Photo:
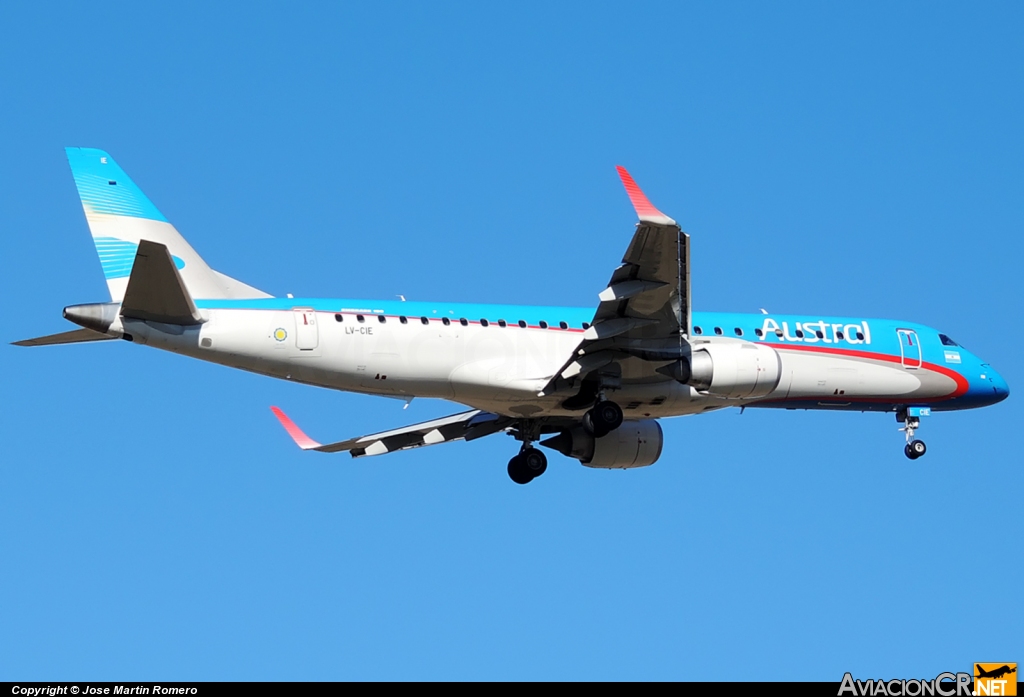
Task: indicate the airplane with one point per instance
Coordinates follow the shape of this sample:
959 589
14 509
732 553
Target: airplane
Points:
995 673
588 382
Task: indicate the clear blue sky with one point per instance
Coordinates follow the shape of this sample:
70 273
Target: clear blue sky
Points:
858 159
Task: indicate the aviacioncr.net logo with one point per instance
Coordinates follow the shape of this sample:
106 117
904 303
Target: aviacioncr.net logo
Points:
943 685
995 679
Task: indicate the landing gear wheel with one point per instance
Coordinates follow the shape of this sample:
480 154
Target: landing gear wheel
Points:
518 471
605 417
534 461
911 420
589 427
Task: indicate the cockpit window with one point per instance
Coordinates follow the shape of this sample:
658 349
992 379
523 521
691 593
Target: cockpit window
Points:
946 341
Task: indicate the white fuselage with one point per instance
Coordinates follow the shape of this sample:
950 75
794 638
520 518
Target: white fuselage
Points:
495 368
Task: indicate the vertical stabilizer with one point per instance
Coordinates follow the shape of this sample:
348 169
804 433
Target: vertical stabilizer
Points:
120 216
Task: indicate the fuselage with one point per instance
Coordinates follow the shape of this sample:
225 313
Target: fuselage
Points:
500 357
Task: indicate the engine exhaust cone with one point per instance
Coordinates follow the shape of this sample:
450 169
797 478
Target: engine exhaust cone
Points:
95 316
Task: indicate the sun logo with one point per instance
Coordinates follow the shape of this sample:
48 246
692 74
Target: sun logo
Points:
280 334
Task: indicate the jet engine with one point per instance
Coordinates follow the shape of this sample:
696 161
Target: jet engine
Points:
733 370
633 444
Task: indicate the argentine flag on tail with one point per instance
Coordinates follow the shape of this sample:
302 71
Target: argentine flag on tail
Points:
120 216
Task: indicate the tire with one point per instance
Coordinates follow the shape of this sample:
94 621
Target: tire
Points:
908 452
918 447
608 415
602 419
590 427
534 462
518 472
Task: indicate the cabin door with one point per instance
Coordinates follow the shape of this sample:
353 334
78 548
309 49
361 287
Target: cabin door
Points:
306 334
910 348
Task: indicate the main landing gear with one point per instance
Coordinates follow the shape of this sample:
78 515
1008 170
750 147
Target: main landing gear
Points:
603 418
529 464
911 420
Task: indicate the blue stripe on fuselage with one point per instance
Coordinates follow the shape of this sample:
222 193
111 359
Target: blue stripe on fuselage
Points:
880 335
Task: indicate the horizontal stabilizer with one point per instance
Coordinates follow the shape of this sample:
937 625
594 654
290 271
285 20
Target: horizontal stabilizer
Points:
468 425
77 336
155 290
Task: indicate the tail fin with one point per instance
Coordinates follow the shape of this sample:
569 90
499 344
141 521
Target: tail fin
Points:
120 216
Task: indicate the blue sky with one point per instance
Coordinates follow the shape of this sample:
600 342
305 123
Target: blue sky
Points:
862 160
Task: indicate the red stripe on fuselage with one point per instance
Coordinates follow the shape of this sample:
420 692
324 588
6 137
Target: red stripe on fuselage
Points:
961 382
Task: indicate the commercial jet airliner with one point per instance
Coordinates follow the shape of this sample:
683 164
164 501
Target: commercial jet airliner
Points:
588 382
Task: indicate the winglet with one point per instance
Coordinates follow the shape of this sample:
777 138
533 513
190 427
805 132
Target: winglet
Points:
300 438
645 210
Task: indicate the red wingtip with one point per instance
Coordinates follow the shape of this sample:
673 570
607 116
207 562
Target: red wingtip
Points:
645 210
300 438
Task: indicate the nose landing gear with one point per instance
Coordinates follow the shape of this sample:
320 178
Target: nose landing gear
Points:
911 420
915 449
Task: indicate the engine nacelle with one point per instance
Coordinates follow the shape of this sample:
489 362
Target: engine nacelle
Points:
633 444
733 370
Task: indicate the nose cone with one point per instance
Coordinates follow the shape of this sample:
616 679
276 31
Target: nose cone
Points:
999 386
987 387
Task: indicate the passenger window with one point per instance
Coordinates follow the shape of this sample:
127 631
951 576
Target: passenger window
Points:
698 330
382 319
800 333
860 335
484 323
339 317
839 335
424 320
563 325
403 319
522 323
360 318
758 332
718 331
818 334
543 324
445 321
464 322
586 325
502 323
739 332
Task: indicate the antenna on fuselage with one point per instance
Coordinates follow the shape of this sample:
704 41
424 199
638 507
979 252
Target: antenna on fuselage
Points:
764 311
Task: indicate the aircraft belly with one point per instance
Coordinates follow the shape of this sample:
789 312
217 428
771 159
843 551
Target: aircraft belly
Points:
508 364
856 379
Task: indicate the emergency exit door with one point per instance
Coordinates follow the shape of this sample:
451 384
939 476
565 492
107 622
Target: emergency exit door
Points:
306 334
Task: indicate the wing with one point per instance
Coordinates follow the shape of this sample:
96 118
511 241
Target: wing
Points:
468 425
644 313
